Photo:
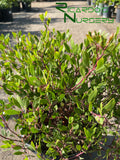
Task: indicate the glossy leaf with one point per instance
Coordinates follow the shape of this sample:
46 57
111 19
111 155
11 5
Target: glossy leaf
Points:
12 112
109 106
18 153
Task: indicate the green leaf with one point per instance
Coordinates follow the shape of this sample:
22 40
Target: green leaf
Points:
12 112
32 144
63 67
42 17
86 132
32 70
63 36
6 146
20 101
36 102
90 107
99 153
92 95
75 126
101 69
15 102
67 47
48 21
3 132
72 61
82 71
26 158
100 63
61 97
72 43
78 147
100 120
2 102
18 54
2 47
56 55
6 90
78 80
17 147
85 146
18 77
18 153
45 13
31 147
117 31
33 130
43 101
89 38
85 59
14 34
71 119
32 80
2 125
19 33
109 106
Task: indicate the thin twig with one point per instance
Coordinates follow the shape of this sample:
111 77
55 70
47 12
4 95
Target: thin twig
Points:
10 138
8 127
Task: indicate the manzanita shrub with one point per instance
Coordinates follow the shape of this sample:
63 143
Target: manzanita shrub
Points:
63 94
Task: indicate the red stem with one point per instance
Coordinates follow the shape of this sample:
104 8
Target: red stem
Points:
90 71
10 138
9 127
78 154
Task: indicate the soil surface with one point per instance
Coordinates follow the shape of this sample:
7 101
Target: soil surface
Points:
30 22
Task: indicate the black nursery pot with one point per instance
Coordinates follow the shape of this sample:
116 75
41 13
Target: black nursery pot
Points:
118 14
89 2
6 15
23 5
26 6
0 15
108 11
16 7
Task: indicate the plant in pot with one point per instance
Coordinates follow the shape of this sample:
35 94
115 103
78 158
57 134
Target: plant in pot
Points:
63 94
117 3
5 11
108 8
26 5
93 2
16 6
89 2
100 4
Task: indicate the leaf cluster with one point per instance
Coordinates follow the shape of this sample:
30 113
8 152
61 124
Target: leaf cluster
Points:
63 94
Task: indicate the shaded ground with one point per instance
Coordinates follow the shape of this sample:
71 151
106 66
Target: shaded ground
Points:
30 22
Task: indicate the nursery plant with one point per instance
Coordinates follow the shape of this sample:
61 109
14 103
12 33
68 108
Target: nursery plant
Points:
27 1
63 94
26 5
117 5
16 6
5 4
5 10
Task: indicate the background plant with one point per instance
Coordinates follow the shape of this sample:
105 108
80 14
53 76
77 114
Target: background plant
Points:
110 2
64 94
27 1
5 4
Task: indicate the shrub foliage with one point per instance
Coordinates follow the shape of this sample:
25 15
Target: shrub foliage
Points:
63 94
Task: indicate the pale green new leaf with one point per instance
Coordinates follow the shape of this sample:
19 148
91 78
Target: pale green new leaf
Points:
109 106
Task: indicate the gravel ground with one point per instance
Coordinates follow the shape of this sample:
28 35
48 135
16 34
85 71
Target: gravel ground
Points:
30 22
